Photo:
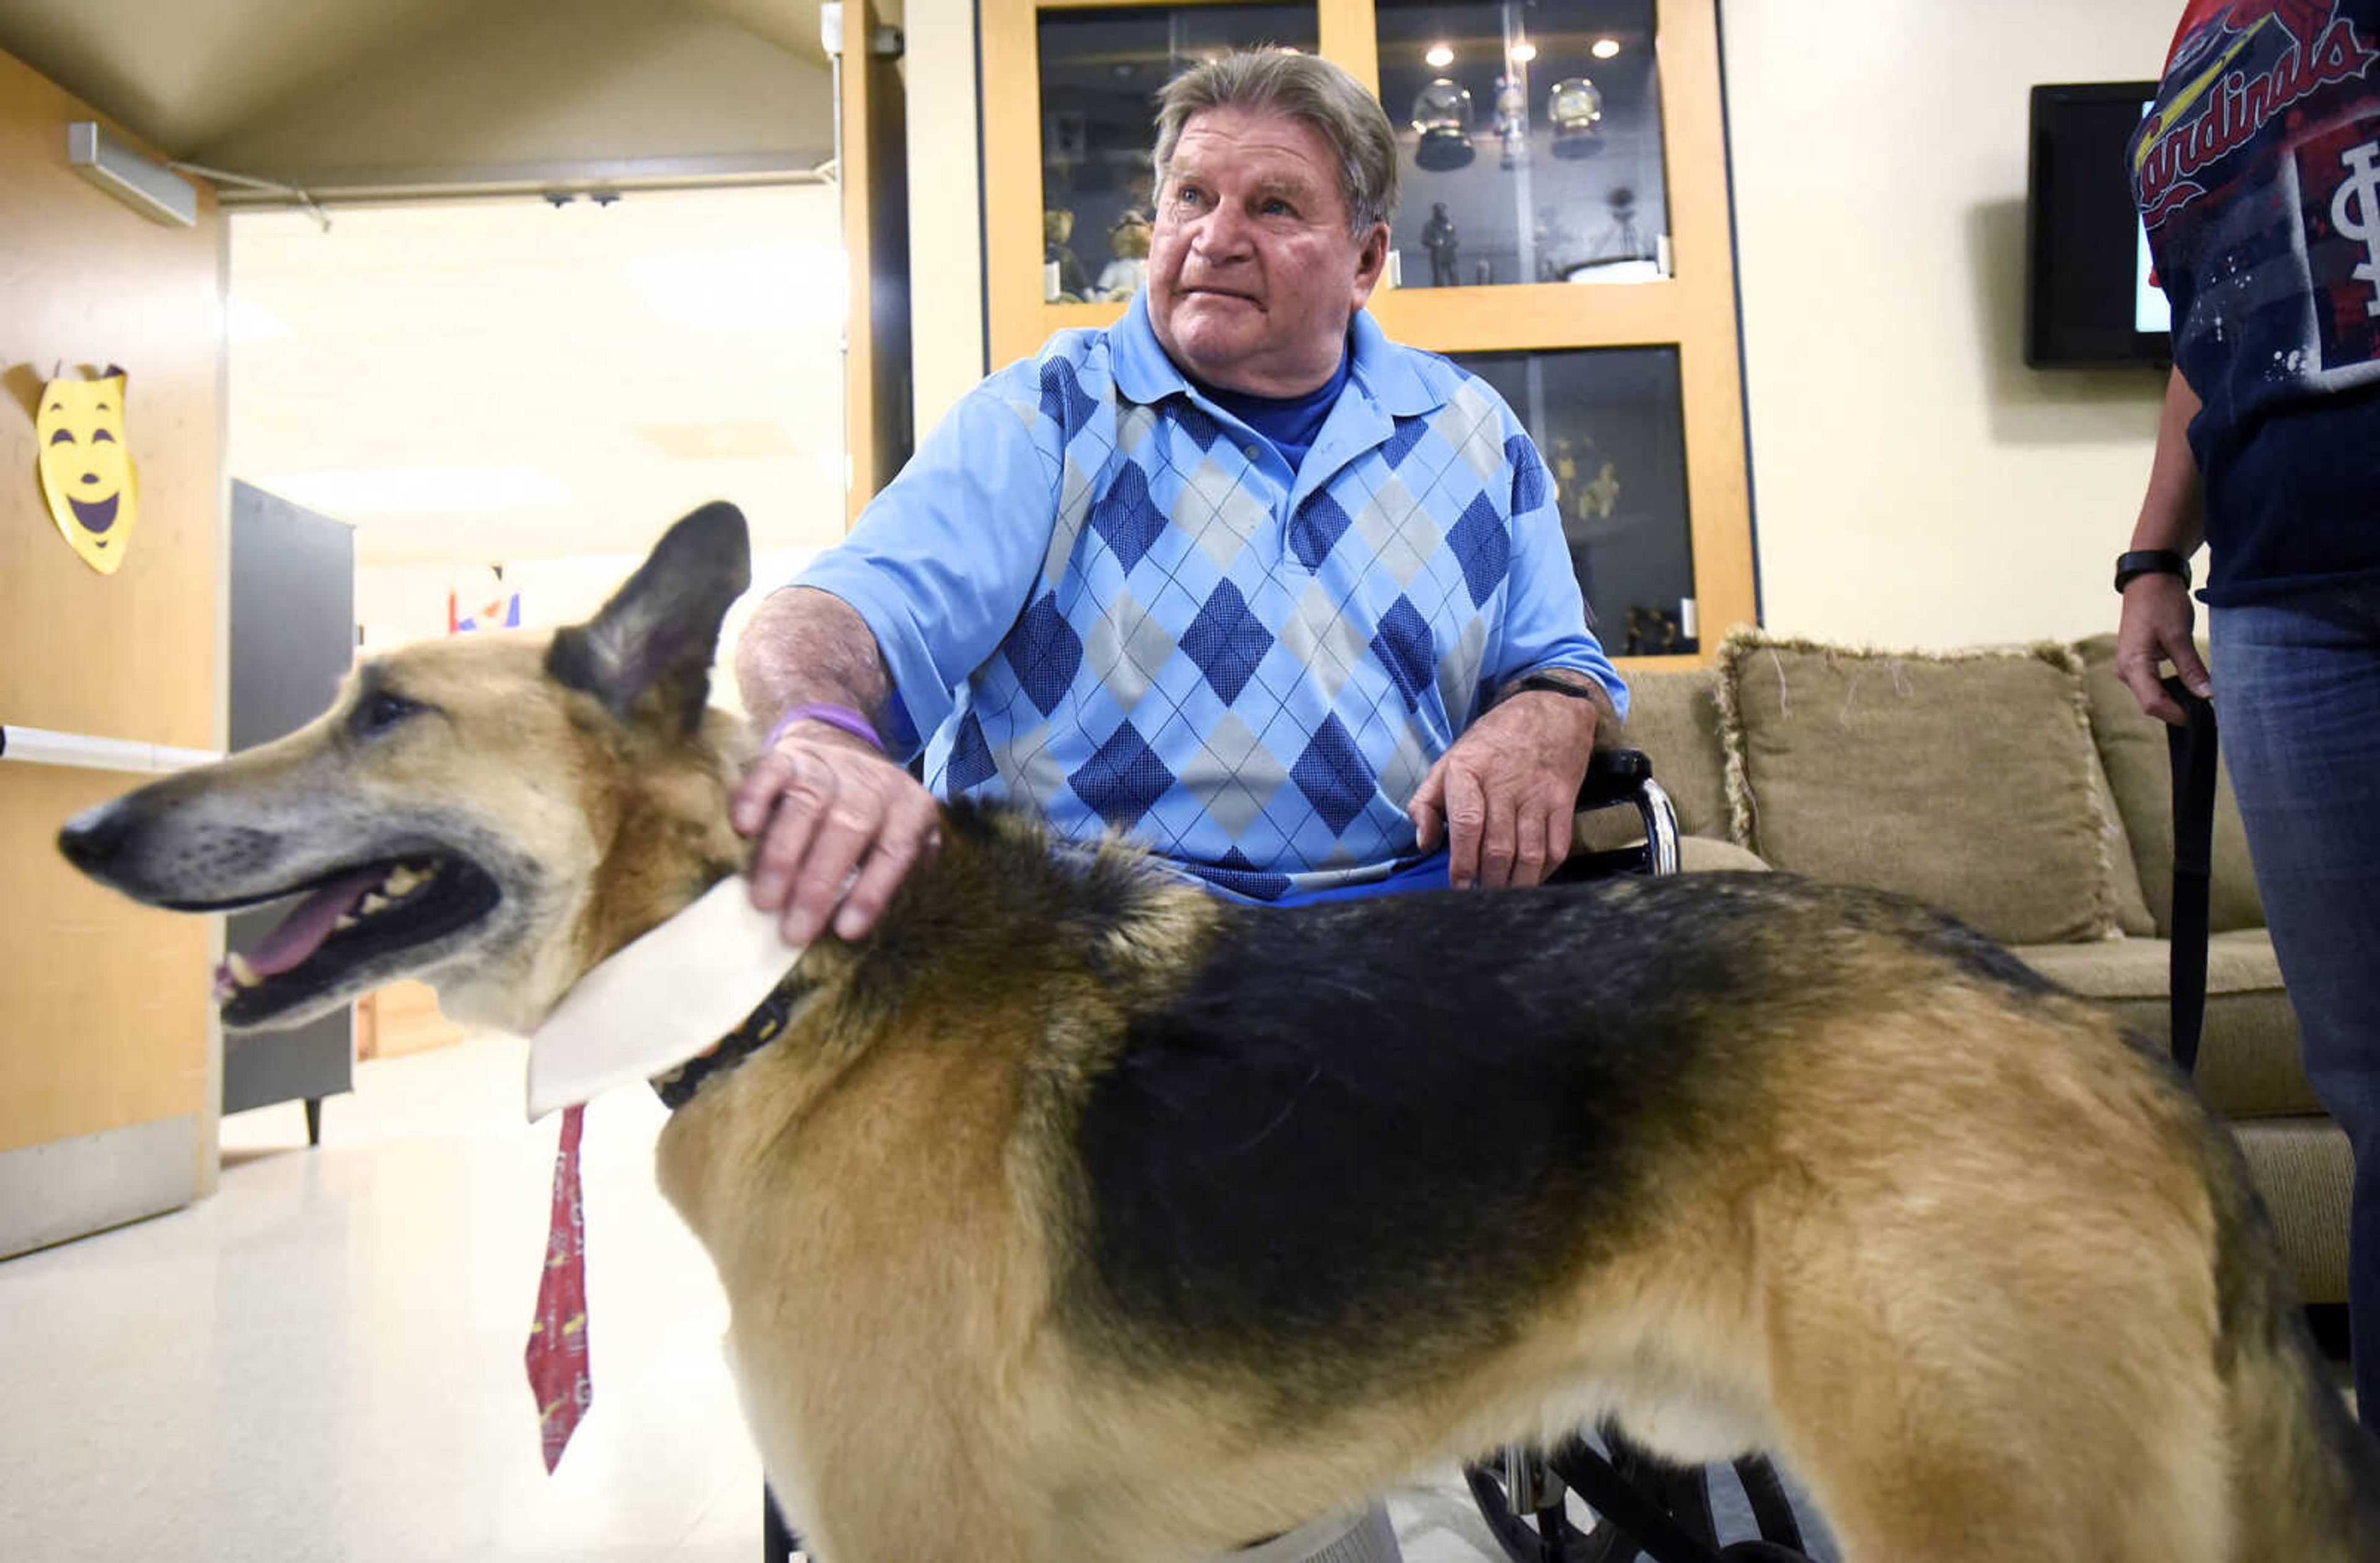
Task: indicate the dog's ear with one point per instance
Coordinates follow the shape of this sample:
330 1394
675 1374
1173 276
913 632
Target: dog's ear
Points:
652 643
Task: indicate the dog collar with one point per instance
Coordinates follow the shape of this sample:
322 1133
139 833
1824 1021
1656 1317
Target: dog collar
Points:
718 969
760 1028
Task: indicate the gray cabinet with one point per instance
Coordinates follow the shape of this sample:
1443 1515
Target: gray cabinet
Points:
293 638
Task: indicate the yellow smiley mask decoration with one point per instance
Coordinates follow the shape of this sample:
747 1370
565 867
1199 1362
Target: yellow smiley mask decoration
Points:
87 472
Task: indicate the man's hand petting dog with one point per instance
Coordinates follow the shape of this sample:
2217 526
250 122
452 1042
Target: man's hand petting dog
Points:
823 806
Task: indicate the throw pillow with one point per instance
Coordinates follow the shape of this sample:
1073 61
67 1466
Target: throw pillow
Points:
1965 779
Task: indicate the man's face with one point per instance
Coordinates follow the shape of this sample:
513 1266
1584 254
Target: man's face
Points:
1252 273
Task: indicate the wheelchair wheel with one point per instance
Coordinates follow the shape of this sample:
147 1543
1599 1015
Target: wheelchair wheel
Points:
1671 1502
1524 1539
1772 1511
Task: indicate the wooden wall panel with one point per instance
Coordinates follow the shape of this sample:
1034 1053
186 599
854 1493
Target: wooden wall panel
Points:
104 1015
86 282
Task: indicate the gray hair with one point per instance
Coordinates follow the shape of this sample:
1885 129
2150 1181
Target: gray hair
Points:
1302 87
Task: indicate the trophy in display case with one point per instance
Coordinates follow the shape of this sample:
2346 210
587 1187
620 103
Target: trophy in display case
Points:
1576 110
1584 504
1652 632
1062 274
1437 236
1621 240
1513 121
1556 247
1441 117
1601 497
1128 240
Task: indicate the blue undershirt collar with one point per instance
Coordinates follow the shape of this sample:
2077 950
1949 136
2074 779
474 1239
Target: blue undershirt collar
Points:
1288 423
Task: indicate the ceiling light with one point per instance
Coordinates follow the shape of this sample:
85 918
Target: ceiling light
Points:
1440 57
1524 52
148 187
1605 48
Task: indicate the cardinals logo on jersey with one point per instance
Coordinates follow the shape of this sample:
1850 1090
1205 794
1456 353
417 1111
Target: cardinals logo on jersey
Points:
2237 65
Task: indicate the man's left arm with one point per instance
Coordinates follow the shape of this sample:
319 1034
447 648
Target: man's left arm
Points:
1503 795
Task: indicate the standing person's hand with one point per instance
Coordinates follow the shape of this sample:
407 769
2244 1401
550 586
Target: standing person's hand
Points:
2156 626
2157 615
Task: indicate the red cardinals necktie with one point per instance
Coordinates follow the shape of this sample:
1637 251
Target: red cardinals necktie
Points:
558 1341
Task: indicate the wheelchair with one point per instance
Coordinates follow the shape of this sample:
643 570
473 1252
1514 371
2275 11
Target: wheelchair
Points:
1638 1505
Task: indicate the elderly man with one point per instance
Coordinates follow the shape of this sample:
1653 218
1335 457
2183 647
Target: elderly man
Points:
1285 601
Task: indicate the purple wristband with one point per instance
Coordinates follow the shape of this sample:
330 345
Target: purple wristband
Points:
851 721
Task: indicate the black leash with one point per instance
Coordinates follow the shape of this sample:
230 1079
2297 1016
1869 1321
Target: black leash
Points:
2191 748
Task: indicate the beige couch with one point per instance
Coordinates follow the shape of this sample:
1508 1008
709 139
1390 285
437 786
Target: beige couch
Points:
2019 788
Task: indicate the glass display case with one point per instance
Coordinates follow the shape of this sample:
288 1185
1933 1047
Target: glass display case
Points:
1100 70
1609 423
1559 178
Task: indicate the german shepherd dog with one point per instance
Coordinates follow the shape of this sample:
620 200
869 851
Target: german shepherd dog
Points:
1077 1216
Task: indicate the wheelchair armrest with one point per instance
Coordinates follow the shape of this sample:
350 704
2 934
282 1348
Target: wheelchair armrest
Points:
1613 777
1626 776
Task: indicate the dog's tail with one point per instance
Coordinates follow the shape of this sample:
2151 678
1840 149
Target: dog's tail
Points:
2306 1479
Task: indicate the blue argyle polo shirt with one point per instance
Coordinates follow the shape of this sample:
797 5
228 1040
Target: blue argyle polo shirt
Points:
1102 596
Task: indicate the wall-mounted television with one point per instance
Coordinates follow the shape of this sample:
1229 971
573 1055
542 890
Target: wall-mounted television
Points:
2088 298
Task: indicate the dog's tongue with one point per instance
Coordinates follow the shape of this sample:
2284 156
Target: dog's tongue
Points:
302 932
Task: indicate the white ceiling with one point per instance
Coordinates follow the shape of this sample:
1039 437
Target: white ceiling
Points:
501 380
302 91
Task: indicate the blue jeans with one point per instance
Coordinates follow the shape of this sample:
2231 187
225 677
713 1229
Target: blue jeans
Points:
2296 695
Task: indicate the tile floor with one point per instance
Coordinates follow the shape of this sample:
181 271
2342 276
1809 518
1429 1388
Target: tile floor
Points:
322 1362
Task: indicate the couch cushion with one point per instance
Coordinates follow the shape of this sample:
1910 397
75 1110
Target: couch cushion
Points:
1673 717
2305 1171
1964 779
2133 914
2248 1065
2132 746
1705 854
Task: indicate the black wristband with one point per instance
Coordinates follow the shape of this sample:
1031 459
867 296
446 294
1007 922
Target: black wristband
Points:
1547 680
2150 562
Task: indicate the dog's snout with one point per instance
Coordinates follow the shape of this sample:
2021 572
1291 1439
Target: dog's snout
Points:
91 839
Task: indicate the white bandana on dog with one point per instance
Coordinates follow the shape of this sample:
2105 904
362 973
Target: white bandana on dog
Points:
669 997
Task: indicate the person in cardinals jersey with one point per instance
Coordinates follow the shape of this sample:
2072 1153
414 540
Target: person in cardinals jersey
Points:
2257 172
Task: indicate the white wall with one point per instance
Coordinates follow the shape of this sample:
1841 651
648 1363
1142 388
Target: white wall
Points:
1914 483
946 324
395 603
